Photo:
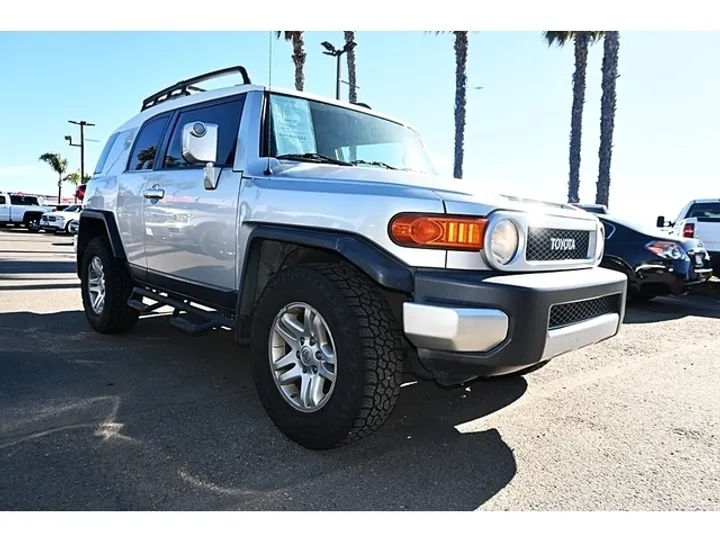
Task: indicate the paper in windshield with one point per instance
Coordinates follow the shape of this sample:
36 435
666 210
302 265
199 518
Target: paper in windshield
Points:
293 127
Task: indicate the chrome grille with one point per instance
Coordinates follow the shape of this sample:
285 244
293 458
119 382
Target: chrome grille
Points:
583 310
557 244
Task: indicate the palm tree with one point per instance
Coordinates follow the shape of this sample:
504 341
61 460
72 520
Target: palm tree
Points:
352 76
298 43
611 46
582 41
59 165
461 55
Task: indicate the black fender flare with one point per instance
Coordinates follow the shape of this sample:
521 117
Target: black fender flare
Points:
105 219
375 262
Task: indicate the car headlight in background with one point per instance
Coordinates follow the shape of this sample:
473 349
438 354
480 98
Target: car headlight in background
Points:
666 250
503 241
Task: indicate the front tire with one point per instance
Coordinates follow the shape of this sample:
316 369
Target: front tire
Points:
106 286
32 224
328 321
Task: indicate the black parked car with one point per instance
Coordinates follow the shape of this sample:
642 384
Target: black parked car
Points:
655 262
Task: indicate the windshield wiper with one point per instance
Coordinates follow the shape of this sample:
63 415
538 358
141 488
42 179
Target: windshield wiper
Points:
375 163
313 157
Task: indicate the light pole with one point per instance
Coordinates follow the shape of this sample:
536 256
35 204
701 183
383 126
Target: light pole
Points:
330 50
83 124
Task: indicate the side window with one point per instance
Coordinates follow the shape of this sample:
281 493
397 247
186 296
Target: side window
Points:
105 152
226 115
146 146
2 199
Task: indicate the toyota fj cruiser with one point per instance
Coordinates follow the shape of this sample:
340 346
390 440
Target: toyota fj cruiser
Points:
319 232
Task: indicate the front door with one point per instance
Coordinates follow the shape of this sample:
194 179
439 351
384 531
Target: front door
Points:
190 231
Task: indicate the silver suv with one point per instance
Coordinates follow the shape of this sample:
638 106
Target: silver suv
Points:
319 232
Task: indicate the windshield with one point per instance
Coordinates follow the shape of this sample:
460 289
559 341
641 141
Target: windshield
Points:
72 208
313 131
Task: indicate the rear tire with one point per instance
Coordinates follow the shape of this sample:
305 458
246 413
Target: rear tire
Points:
102 273
367 355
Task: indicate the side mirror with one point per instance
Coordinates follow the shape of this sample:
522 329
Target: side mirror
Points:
199 143
660 223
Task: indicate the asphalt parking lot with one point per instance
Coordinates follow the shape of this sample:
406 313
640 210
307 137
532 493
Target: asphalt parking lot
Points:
160 420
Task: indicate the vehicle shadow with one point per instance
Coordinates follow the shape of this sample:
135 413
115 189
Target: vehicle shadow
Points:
668 309
159 420
18 267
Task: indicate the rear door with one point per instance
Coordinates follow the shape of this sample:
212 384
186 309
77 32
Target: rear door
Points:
131 187
705 217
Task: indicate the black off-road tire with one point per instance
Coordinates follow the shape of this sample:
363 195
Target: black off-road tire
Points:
116 317
368 354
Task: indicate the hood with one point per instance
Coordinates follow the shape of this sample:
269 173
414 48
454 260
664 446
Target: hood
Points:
457 194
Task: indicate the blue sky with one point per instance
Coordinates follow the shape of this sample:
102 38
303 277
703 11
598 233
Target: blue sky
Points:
667 130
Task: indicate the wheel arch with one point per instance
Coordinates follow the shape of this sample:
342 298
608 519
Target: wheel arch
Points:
93 223
273 247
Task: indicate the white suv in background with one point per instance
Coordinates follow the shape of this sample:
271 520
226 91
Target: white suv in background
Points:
60 220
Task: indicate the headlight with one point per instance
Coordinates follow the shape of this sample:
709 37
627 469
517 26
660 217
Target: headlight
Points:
503 241
666 250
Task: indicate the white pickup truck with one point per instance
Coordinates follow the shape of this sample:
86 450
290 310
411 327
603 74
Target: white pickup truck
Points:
699 219
20 209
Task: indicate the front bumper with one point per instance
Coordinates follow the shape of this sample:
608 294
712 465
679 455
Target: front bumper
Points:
52 225
466 324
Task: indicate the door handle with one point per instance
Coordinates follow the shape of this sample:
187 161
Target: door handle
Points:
154 192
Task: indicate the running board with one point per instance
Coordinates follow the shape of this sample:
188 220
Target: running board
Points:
185 317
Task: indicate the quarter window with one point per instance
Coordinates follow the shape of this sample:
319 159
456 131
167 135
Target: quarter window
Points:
227 117
104 155
146 147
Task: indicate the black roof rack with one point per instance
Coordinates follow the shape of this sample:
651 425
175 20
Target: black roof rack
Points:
183 88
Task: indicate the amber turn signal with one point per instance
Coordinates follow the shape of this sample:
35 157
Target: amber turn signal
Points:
438 231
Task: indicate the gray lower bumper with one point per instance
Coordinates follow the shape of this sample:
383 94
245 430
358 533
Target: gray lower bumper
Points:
513 321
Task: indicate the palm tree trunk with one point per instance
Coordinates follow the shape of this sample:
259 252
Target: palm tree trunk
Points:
298 57
582 42
611 47
352 76
59 189
461 54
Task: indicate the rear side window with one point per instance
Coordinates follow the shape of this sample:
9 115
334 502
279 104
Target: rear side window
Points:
705 212
21 200
2 199
227 117
147 143
104 155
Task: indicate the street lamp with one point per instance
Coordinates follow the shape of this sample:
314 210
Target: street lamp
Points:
330 50
83 124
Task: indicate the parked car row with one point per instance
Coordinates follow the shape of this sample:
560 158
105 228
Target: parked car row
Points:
657 262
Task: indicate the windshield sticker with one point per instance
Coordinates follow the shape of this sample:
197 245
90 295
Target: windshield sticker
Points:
293 126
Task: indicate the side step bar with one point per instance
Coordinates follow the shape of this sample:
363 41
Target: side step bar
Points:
185 317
